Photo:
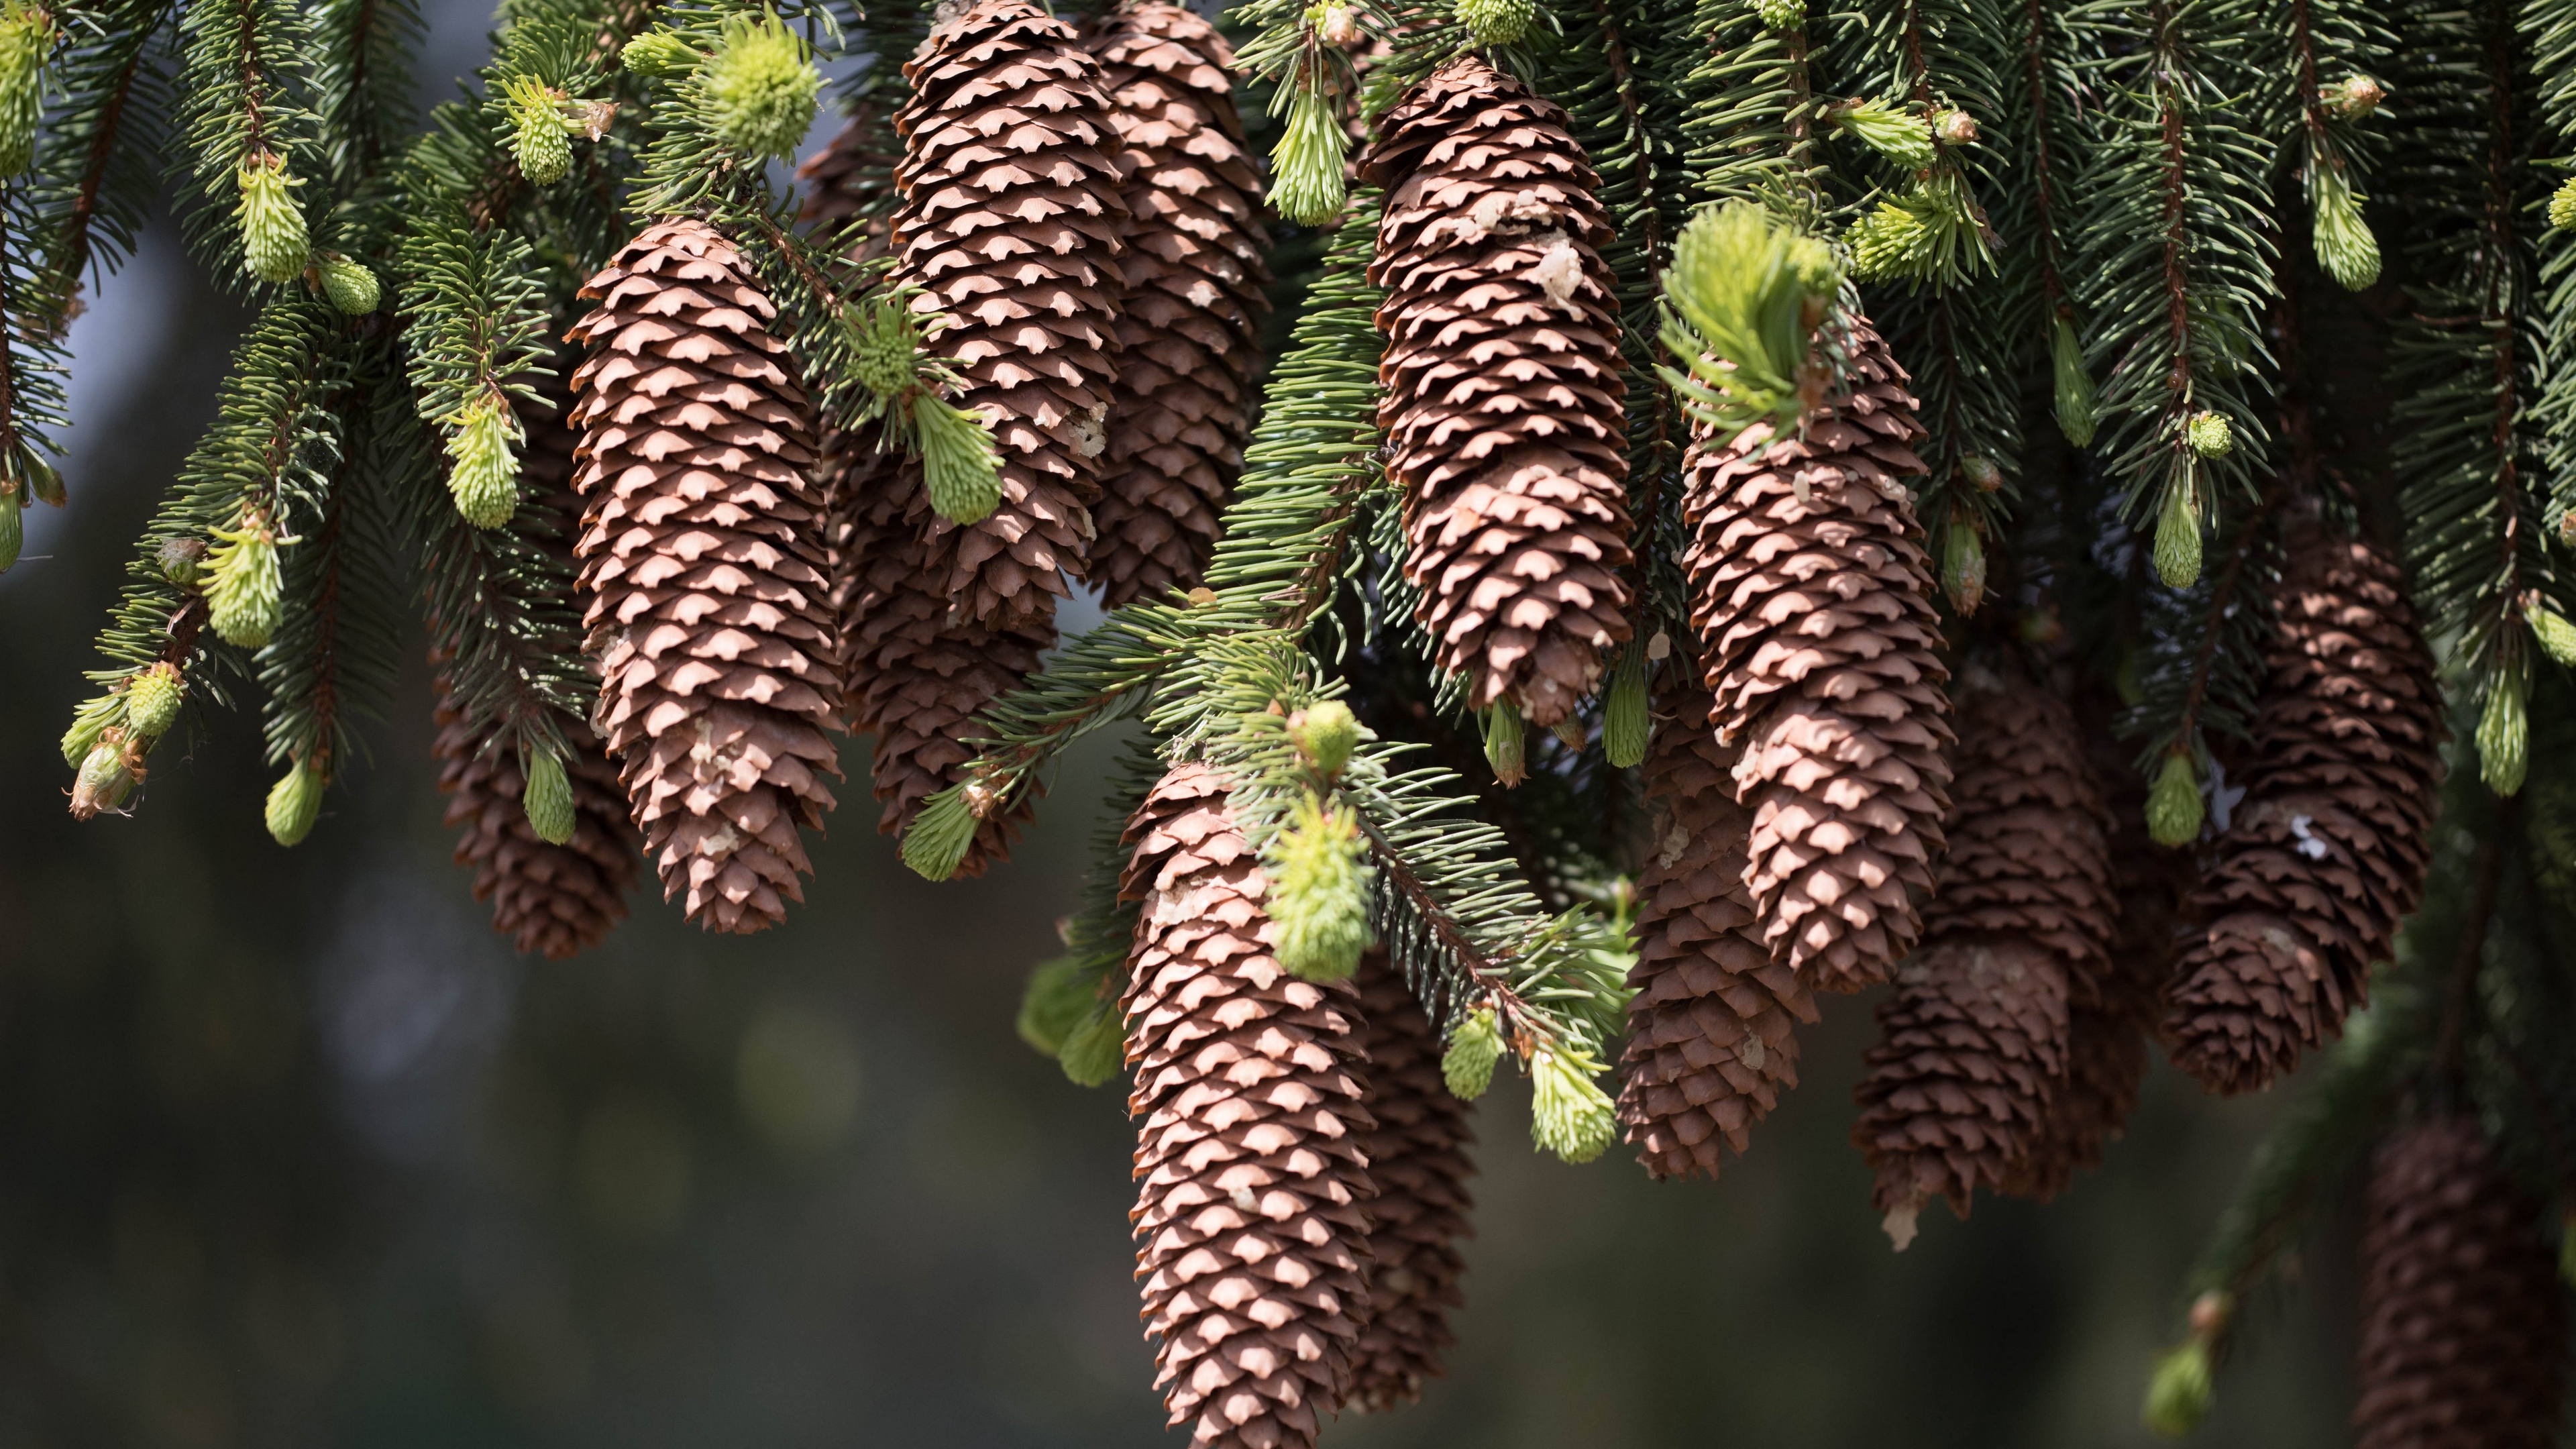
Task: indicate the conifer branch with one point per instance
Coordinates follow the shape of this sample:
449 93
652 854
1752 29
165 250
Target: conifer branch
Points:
95 173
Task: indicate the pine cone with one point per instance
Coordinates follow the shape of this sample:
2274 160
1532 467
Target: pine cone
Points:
2327 851
1190 337
556 899
1417 1156
1813 597
2106 1037
1974 1042
1712 1030
703 562
2463 1319
1503 387
1252 1221
1010 223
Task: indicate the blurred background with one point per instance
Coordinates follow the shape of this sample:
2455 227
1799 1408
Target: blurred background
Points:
295 1151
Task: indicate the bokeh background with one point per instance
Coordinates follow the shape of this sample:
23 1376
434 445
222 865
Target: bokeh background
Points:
295 1151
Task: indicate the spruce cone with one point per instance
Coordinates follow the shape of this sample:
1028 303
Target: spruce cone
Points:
1252 1221
2463 1320
1503 387
1974 1041
1190 337
1813 597
556 899
2327 851
1712 1030
1417 1156
2106 1037
1010 223
704 566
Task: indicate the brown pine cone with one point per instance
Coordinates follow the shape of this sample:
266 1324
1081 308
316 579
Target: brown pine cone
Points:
1010 223
1417 1156
2107 1036
1252 1220
2326 853
559 900
1503 387
1712 1030
703 561
1190 337
1812 595
1974 1041
2463 1319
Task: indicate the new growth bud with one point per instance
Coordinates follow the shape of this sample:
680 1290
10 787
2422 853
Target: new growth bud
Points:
26 33
244 587
1626 726
2354 97
2074 386
2562 205
540 136
1954 127
1781 14
274 248
1337 25
1981 473
1496 22
1319 897
1059 994
1503 745
1468 1065
960 469
1325 734
2557 636
13 528
547 798
887 348
2178 536
483 469
107 776
2174 806
152 700
1963 564
2504 734
659 52
1569 1114
2209 435
761 88
1308 183
294 803
2179 1395
351 285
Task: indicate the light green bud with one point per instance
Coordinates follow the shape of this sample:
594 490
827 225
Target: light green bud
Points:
350 284
960 468
1308 182
660 52
2174 806
2209 435
547 798
152 700
1504 749
1569 1114
1059 995
1319 893
1626 726
2179 1395
761 88
540 139
1496 22
2504 735
1981 474
1468 1065
888 342
1887 243
107 776
1781 14
1898 134
26 33
2178 536
2076 404
1325 734
94 718
2355 96
1963 565
272 224
294 803
245 589
2562 205
2345 246
483 471
2557 636
13 527
941 834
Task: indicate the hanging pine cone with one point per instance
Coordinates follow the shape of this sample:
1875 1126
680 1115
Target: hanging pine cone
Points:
2107 1035
1503 387
1252 1220
704 567
1010 223
2326 852
1974 1041
1712 1030
1417 1157
2463 1319
558 900
1190 336
1813 596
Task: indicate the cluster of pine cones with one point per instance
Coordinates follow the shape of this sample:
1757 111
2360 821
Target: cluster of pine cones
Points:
1080 227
